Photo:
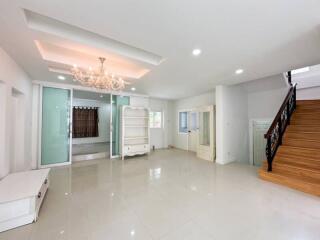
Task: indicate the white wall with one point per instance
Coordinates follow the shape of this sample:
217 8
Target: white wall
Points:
104 120
265 96
14 79
308 93
139 101
159 137
232 143
237 106
206 99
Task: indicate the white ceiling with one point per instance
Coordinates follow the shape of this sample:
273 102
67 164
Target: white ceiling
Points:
263 37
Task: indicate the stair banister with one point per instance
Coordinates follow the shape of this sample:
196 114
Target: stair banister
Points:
281 121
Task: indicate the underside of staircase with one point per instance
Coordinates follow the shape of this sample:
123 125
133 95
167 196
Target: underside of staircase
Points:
297 161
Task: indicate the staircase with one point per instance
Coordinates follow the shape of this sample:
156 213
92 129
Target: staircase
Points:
296 163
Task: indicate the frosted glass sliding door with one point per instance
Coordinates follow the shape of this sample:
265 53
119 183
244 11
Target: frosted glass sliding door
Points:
55 132
116 103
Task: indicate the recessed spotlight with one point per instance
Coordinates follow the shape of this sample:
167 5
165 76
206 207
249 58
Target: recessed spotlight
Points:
133 89
60 77
196 52
239 71
132 233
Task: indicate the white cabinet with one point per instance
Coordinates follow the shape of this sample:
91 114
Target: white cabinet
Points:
135 131
21 196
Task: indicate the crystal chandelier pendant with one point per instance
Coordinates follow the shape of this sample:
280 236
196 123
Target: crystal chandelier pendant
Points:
100 79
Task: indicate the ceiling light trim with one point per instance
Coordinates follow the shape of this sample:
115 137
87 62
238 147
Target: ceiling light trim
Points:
55 27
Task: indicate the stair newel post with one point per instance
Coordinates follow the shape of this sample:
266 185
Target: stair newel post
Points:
269 158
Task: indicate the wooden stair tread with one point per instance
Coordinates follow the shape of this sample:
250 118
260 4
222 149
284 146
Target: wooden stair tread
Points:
297 159
313 101
303 128
306 178
315 167
302 184
303 135
298 152
298 170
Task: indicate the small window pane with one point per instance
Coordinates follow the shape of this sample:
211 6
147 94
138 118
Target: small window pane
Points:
183 122
193 121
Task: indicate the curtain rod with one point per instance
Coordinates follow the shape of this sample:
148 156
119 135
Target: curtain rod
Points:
84 107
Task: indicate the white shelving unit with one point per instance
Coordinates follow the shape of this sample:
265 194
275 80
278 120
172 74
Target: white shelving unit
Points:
135 131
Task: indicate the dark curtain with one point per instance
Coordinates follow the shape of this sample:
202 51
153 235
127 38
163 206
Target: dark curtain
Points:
85 122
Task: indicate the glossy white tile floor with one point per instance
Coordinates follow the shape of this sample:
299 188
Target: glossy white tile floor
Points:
169 194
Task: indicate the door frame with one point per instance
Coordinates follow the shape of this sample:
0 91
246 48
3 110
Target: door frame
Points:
212 121
252 121
111 128
42 85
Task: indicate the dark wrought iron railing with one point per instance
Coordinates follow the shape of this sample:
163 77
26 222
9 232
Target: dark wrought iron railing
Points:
279 124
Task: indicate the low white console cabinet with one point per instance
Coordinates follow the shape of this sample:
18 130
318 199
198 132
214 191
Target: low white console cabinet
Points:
21 195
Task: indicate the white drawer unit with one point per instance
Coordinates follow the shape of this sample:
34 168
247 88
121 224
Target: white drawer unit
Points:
21 196
135 132
135 149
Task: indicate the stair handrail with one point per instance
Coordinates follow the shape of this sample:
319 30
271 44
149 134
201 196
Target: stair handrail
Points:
281 121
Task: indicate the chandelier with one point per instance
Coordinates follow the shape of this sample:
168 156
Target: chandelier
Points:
99 78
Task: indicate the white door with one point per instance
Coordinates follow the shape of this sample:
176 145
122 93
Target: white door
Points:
206 135
193 120
259 142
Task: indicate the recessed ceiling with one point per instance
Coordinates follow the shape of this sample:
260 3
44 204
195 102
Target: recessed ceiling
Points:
263 37
60 58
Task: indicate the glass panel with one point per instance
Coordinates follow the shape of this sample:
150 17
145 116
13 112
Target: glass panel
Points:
204 133
183 122
193 121
117 102
55 141
155 119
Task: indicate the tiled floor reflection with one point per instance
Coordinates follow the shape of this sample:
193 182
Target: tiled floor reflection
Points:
169 194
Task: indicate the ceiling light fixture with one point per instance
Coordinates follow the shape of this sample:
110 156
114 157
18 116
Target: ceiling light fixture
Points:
133 89
196 52
60 77
99 78
239 71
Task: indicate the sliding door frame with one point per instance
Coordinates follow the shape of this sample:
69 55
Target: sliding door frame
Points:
52 85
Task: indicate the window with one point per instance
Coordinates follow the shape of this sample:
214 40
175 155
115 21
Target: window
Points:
194 125
183 122
85 122
155 119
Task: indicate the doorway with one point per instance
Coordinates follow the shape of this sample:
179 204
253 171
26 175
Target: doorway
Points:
91 113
